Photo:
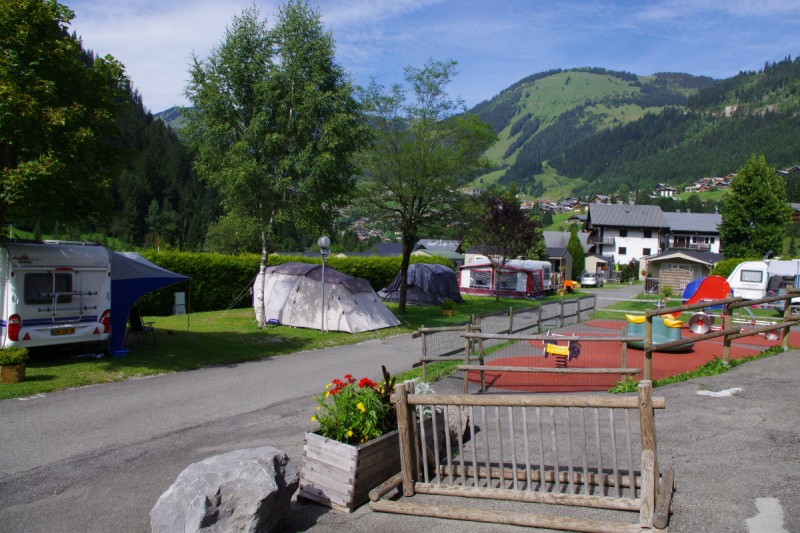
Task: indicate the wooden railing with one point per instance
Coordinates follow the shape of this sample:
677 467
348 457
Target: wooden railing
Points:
543 449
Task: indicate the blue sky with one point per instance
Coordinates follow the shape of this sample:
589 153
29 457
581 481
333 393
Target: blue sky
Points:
496 42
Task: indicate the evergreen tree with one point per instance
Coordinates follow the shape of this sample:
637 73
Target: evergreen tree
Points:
754 212
575 249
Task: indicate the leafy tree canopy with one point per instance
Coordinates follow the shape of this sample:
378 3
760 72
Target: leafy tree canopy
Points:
58 148
421 151
754 212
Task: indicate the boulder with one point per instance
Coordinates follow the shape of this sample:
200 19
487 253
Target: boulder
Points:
243 490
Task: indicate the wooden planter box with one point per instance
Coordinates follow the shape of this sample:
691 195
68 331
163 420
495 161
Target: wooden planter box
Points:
340 475
12 373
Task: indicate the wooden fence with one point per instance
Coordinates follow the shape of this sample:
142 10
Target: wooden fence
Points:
583 451
441 344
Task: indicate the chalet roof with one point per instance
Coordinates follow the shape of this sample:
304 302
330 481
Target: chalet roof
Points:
556 252
560 239
626 216
693 222
708 258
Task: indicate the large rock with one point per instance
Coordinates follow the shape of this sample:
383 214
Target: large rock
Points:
243 490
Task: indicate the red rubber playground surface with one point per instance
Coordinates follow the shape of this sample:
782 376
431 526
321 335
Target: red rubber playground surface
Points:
607 354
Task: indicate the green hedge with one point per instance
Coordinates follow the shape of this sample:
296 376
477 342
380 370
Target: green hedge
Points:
220 281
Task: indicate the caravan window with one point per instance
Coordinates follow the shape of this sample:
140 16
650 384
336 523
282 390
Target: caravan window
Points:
39 288
508 281
752 276
480 278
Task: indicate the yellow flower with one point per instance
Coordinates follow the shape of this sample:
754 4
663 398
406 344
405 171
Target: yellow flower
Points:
361 407
329 385
349 432
327 393
313 418
319 407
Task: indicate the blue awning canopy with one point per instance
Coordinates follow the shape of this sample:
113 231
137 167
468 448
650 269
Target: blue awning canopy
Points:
132 276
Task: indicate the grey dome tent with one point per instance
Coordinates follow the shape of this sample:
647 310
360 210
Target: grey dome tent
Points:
427 284
293 297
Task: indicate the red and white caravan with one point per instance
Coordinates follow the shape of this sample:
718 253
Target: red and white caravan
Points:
517 279
54 293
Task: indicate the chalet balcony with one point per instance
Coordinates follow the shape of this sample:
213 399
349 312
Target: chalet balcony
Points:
697 247
600 240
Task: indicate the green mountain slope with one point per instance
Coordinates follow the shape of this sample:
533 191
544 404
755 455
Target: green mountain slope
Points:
599 131
541 116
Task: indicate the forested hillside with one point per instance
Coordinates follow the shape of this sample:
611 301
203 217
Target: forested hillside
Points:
596 131
633 132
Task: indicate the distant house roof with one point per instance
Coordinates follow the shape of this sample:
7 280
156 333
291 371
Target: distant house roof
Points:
693 222
708 258
438 244
556 239
388 248
556 252
626 216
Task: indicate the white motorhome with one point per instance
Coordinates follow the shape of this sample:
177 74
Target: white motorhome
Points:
758 279
54 293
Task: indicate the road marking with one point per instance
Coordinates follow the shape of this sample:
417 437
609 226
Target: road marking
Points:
720 394
769 518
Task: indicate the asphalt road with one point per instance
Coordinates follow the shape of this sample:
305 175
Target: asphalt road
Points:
96 458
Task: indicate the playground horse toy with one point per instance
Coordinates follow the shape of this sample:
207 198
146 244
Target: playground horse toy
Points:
564 354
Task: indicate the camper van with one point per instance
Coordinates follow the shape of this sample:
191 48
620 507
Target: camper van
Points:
54 293
753 280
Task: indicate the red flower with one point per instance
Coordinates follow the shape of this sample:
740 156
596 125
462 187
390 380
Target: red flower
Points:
366 382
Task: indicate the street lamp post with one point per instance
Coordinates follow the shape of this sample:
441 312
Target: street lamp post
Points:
324 244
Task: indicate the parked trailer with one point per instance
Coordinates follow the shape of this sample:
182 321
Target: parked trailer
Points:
753 280
54 293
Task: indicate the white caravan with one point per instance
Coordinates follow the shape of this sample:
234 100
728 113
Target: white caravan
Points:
54 293
758 279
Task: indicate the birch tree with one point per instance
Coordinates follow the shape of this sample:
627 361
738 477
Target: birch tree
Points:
274 122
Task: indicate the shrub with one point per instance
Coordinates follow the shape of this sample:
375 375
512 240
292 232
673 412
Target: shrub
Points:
13 356
220 281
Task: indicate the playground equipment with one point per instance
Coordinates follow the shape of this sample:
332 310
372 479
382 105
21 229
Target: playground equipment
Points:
564 354
665 330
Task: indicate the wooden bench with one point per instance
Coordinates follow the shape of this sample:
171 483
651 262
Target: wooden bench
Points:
561 450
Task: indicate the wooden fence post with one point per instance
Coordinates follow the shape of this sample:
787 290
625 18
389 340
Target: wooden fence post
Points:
727 322
648 347
539 319
561 313
787 316
650 476
510 320
424 353
405 427
467 349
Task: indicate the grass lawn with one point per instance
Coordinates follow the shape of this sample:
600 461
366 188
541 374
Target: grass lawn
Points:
188 342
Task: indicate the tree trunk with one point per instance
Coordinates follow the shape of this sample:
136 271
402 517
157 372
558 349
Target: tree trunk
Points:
408 244
260 299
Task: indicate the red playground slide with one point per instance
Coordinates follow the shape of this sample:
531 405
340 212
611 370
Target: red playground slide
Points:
709 288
